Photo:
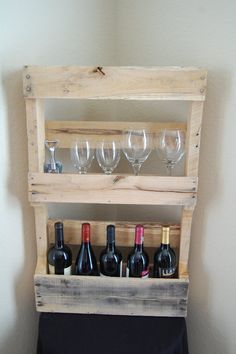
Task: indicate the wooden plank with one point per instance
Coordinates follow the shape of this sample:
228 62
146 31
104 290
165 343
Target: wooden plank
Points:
36 134
116 296
193 139
135 83
112 189
124 232
41 217
67 131
186 222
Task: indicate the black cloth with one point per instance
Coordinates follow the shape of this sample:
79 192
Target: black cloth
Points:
100 334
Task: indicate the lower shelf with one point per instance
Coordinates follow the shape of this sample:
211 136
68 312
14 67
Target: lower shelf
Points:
114 296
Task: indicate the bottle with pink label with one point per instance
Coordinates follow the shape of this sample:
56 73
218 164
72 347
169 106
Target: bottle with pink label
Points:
138 261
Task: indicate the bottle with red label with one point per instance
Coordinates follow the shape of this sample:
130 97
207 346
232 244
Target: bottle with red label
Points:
86 263
138 261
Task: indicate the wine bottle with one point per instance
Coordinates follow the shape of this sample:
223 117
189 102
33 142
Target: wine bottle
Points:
138 261
165 258
59 256
86 263
110 257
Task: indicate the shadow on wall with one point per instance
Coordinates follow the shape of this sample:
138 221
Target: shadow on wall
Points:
200 322
25 319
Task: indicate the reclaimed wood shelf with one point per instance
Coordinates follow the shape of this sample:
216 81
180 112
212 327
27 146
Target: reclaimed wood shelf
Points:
76 294
102 295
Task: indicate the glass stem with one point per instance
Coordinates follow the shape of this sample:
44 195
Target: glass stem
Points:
136 168
52 160
169 167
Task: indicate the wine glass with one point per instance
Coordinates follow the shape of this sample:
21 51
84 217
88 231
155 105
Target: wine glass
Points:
137 145
52 166
170 147
82 154
108 155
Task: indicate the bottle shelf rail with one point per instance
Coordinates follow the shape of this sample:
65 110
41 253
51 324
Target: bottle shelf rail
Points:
76 294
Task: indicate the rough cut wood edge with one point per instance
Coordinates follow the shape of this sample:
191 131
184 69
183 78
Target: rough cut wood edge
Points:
115 296
36 133
124 232
186 223
135 83
112 189
68 131
41 218
193 139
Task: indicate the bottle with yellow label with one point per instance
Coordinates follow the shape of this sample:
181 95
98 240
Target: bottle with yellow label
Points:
165 258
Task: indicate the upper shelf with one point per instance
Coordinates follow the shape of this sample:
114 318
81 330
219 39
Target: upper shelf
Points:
130 83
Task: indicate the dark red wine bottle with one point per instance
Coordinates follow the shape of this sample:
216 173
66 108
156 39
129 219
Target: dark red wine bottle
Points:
59 255
86 263
165 258
111 258
138 261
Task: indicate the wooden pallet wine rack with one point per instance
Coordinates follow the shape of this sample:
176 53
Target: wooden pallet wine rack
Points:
101 295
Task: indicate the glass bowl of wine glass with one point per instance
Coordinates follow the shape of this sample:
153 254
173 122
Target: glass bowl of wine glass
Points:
108 155
170 147
82 154
137 146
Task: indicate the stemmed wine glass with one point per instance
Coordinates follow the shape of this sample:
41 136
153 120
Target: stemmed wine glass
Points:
82 154
170 147
53 166
137 145
108 155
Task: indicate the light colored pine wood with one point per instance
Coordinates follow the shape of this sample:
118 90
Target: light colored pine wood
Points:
191 169
112 189
41 218
124 232
186 222
36 133
68 131
155 297
116 296
136 83
193 138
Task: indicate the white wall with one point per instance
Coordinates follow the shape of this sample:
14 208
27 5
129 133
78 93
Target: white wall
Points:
201 33
134 32
46 33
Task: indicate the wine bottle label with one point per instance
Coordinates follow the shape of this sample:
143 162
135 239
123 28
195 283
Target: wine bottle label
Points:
144 274
120 272
67 271
168 272
121 269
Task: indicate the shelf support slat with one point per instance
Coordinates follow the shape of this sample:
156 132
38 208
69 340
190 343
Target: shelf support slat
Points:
191 169
36 133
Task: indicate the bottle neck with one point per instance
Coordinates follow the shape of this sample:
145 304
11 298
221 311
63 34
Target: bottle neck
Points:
59 238
86 233
111 246
138 247
110 238
138 243
165 237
